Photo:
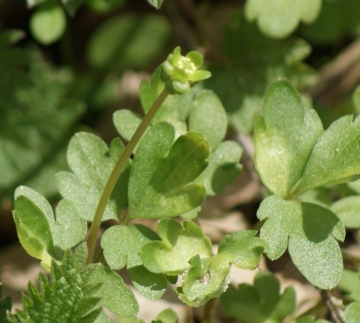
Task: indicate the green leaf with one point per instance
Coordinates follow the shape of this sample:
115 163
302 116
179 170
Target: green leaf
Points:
179 244
334 158
46 120
280 18
208 117
136 41
32 3
129 242
284 138
92 162
67 229
33 230
156 3
352 313
126 123
205 279
114 294
5 305
310 231
223 167
347 210
166 316
242 249
72 5
161 173
48 22
242 82
69 296
259 303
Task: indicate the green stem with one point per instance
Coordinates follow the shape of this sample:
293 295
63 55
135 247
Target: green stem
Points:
95 225
210 310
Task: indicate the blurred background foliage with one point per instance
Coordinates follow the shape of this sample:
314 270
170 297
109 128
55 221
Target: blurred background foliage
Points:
68 65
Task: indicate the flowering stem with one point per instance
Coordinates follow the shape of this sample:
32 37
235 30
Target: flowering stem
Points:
95 225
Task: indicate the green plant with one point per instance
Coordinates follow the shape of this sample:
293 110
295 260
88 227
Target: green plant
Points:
176 156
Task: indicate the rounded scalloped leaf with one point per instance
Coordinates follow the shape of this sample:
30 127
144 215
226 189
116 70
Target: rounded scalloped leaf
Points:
179 244
347 209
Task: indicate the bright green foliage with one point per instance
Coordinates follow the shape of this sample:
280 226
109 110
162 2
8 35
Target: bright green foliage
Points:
179 244
160 180
179 73
352 313
5 305
166 316
34 149
126 251
284 138
260 303
242 83
293 154
75 293
135 41
347 210
48 22
103 6
43 234
156 3
92 162
209 277
310 232
223 166
279 18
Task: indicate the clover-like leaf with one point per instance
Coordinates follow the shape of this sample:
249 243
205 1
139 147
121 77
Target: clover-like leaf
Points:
126 251
259 303
284 137
36 223
242 249
160 181
205 279
347 210
279 18
92 162
310 232
179 244
334 158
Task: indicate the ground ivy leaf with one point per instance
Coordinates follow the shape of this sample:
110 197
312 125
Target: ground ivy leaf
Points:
205 279
214 125
114 294
242 249
261 302
33 229
87 155
284 137
223 167
279 18
310 231
335 157
179 244
130 240
159 181
347 210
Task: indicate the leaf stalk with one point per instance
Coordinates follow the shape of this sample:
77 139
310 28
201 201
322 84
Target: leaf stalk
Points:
110 184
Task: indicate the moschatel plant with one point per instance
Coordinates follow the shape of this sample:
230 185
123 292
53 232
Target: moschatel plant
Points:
179 157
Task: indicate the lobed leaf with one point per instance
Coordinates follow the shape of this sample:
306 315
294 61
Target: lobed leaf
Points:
310 232
179 244
126 251
5 305
259 303
92 162
160 181
284 138
347 210
279 18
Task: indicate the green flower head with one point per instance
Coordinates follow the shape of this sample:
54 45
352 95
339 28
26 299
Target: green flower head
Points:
180 73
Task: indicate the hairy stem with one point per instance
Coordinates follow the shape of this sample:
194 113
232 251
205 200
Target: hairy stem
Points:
95 225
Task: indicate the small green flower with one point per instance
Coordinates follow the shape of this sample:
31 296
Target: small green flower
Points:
180 73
